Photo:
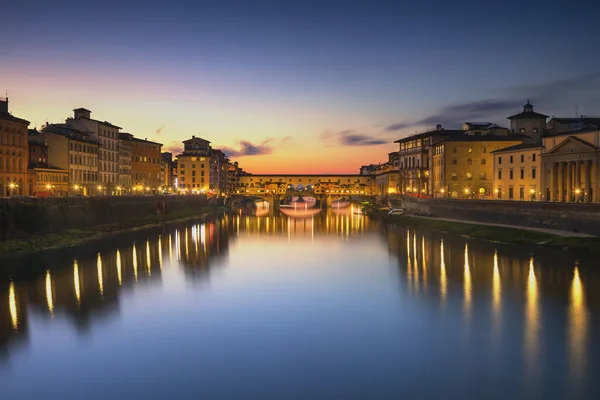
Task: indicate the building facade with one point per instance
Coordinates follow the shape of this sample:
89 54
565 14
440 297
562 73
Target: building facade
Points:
194 166
528 123
414 160
45 180
463 164
571 166
219 173
168 166
76 152
14 152
145 164
518 172
125 161
107 135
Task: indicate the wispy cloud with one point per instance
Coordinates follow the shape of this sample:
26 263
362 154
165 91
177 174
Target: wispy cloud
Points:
247 148
351 137
455 115
159 130
555 96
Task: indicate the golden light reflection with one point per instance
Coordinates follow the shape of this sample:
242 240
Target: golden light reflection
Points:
408 259
119 270
415 263
100 275
468 284
49 296
185 239
177 245
578 328
424 261
171 250
12 305
76 282
135 263
443 279
496 289
160 251
532 322
148 260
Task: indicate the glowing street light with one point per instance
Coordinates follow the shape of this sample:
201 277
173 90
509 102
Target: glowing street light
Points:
12 187
577 191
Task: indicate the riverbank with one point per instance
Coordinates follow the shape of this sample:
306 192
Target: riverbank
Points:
76 237
502 234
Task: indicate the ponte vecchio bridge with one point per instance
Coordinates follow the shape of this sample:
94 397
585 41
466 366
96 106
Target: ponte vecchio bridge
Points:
325 188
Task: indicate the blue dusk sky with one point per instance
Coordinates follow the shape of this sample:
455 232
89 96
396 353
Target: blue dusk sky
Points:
298 86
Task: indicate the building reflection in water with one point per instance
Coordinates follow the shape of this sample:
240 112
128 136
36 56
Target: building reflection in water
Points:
117 270
578 327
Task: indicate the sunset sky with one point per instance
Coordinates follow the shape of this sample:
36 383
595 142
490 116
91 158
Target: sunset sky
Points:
297 86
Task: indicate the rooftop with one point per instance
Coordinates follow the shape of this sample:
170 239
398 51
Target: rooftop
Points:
522 146
528 113
427 134
461 136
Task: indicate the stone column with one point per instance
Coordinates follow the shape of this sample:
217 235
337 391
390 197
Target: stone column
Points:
552 184
561 182
569 181
584 180
594 179
578 180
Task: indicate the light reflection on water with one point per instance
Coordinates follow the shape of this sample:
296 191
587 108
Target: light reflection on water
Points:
339 302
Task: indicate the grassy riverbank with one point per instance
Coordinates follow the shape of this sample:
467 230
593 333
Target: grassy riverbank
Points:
75 237
589 245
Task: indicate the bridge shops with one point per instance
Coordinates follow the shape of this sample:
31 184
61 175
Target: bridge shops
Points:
317 184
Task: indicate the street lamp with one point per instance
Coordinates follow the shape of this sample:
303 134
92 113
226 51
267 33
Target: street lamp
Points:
577 191
532 193
12 187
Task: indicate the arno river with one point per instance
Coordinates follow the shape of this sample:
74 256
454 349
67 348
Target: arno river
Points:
331 306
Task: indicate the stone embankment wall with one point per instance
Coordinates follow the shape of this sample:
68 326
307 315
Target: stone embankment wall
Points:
25 217
583 218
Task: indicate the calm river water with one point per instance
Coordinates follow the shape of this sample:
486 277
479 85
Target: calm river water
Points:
332 306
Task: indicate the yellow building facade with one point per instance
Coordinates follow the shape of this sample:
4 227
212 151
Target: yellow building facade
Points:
463 165
193 166
517 173
14 153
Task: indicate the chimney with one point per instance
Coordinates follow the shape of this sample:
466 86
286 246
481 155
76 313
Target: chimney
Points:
438 127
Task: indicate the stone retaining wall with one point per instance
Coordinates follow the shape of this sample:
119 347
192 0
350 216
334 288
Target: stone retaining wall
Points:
583 218
25 217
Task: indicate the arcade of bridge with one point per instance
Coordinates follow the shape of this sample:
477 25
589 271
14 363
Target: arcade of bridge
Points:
319 184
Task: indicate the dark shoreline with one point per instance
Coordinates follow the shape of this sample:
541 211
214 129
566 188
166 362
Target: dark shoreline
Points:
585 245
78 237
